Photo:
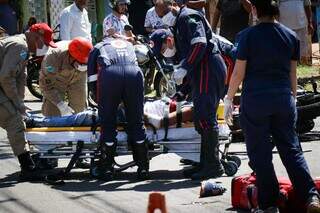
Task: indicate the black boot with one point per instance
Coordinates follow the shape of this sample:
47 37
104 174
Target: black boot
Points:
105 170
28 168
188 172
212 167
140 156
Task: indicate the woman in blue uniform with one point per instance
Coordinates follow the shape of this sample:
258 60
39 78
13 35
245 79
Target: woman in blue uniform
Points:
266 64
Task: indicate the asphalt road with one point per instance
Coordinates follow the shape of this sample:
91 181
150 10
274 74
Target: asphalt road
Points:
125 194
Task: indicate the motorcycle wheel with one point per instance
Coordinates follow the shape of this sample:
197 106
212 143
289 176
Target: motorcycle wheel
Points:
33 83
161 87
235 159
304 126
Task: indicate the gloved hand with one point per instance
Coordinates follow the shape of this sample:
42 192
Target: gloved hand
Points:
228 109
179 96
178 75
64 109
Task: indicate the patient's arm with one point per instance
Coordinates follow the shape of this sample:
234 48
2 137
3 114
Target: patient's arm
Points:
158 122
186 116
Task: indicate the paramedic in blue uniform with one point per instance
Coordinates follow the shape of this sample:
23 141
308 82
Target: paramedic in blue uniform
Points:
266 64
202 66
113 70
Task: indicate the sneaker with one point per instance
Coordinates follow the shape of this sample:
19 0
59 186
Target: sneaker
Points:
313 204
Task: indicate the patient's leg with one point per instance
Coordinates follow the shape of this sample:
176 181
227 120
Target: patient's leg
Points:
80 119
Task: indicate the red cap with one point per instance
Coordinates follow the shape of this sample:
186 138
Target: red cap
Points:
47 32
79 49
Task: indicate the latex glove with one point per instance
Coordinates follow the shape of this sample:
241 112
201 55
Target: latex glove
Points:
228 109
64 109
179 74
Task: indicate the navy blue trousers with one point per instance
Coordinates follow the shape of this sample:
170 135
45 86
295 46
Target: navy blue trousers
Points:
116 84
207 89
274 114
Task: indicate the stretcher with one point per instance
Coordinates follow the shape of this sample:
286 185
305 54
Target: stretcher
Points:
81 142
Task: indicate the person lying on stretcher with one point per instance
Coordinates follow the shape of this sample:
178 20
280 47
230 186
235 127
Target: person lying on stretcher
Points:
154 114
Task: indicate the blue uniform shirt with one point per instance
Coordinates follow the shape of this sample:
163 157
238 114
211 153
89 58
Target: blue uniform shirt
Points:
268 49
193 36
110 52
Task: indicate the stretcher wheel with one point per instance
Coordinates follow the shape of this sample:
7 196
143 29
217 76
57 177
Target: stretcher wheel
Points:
235 159
230 168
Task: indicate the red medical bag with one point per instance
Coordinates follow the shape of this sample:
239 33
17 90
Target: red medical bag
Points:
244 191
294 203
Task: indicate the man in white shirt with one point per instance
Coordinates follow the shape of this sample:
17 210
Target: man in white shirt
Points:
114 24
297 15
154 16
74 21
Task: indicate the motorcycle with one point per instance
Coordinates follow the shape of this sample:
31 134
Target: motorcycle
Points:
156 71
33 68
308 109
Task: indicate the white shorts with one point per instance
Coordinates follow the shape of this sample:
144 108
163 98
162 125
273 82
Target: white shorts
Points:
303 37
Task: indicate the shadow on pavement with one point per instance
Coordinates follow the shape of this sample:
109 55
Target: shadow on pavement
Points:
9 180
127 181
81 181
6 155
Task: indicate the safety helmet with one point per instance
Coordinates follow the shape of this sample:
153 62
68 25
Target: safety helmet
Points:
142 53
79 49
113 3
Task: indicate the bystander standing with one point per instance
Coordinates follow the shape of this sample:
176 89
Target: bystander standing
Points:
234 15
74 21
297 15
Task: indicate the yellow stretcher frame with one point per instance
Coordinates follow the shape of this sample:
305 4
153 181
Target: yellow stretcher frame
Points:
87 129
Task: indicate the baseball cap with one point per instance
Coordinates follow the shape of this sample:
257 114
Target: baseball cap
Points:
181 1
46 31
157 38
